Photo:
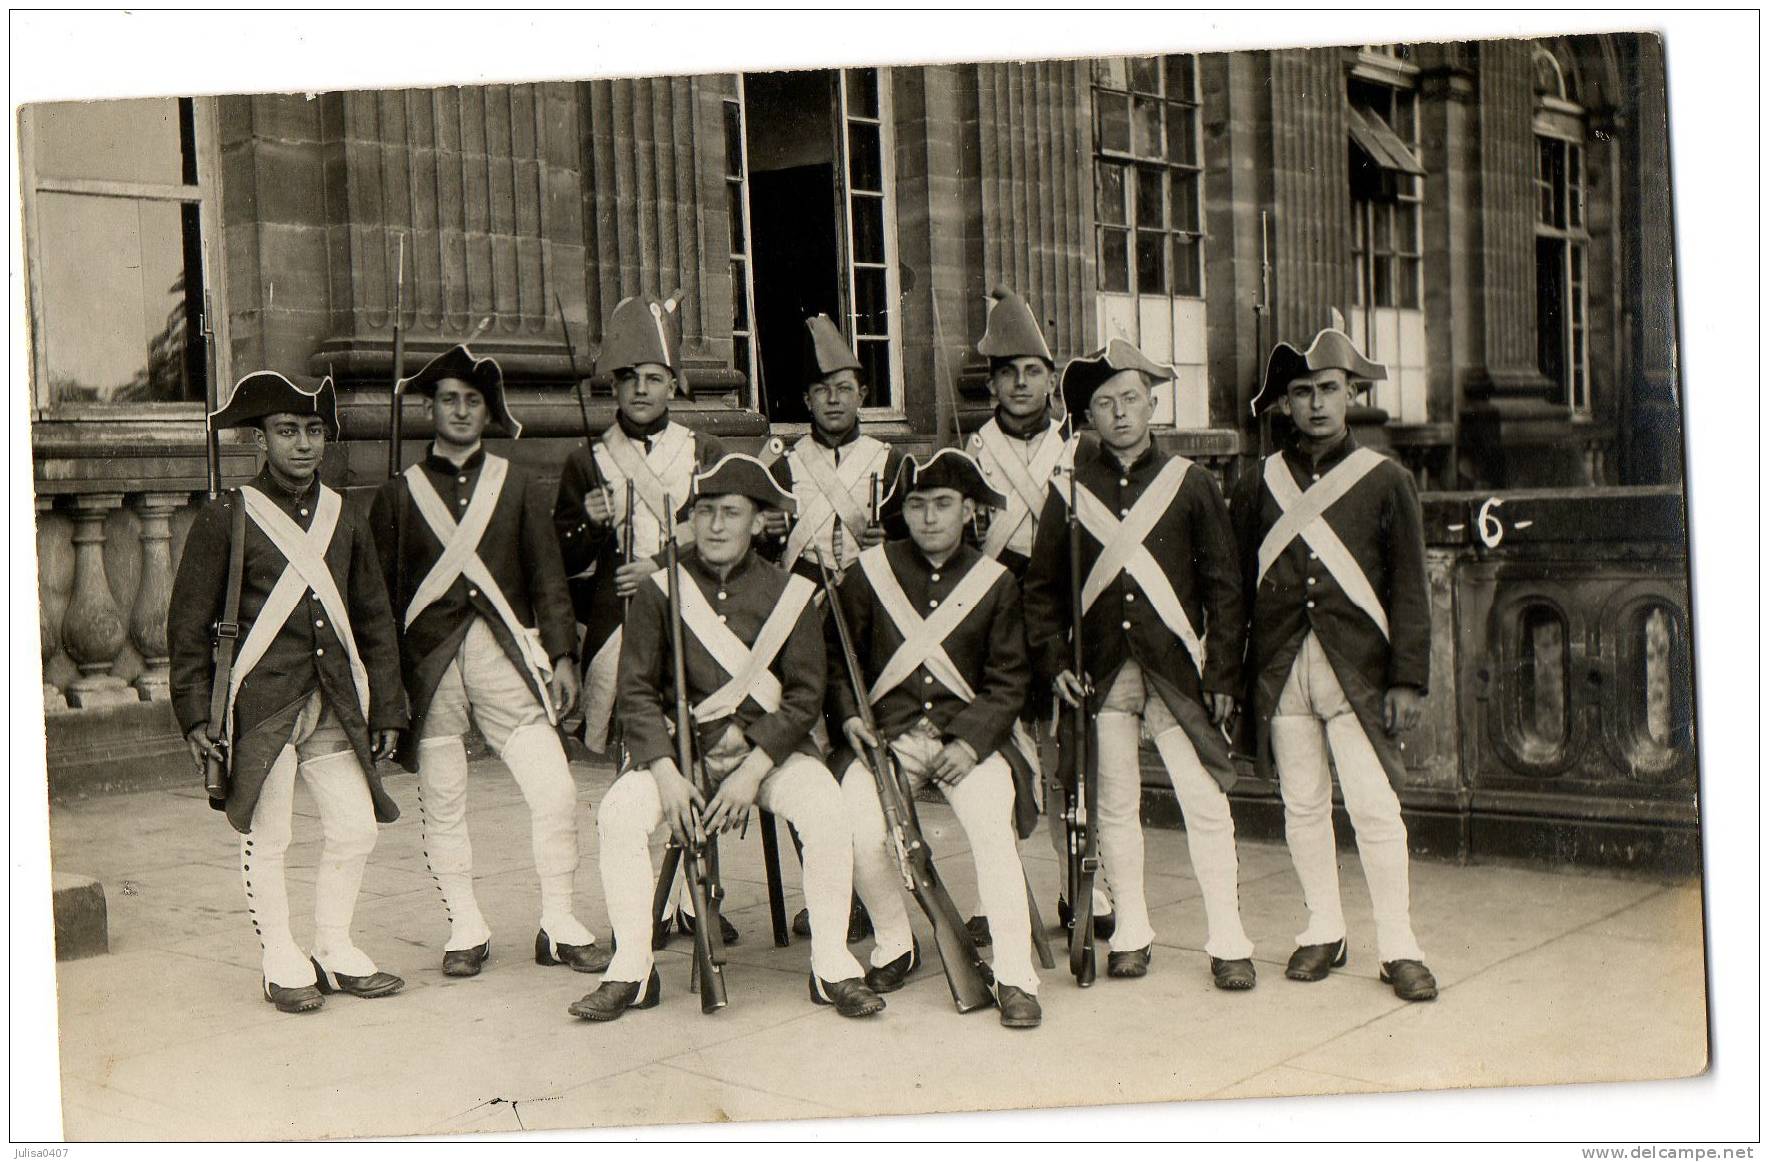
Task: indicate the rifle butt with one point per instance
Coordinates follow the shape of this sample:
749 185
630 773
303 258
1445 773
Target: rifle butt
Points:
707 976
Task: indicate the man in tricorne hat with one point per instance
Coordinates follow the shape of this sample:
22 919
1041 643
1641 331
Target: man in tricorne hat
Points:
1163 632
1333 546
487 632
314 687
1018 449
605 559
753 651
937 632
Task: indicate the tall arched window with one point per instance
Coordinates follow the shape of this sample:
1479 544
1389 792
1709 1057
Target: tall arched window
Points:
1562 240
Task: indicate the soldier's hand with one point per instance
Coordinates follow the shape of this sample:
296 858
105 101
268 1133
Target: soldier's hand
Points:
859 738
1069 688
201 744
774 522
598 507
731 803
385 741
564 685
1401 709
628 577
680 799
1221 707
955 760
871 536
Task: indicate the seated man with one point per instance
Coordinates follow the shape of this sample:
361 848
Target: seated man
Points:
754 660
947 686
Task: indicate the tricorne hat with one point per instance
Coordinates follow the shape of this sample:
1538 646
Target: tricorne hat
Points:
1011 330
1331 349
826 352
484 375
642 330
267 393
1084 374
739 474
947 468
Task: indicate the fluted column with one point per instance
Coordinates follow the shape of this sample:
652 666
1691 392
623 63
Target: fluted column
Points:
1508 200
153 593
50 605
1311 190
92 628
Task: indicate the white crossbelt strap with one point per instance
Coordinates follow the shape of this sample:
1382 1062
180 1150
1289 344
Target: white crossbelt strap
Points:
1026 479
460 555
1304 515
1122 550
305 551
747 665
924 638
660 479
826 491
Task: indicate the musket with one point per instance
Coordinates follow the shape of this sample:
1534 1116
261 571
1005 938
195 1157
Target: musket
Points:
699 852
1081 804
965 971
216 772
1262 308
211 438
395 421
577 383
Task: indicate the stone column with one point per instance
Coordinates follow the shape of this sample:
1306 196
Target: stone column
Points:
50 606
92 628
153 593
1311 190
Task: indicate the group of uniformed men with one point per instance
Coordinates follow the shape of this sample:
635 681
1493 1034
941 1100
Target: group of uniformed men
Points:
372 633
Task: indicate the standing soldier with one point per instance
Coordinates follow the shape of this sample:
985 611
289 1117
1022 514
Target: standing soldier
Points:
474 568
1161 606
1018 449
753 651
605 558
1333 545
936 626
314 688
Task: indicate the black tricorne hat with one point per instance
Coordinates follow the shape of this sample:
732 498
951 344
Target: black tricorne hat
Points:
1084 374
268 393
947 468
484 375
739 474
1331 349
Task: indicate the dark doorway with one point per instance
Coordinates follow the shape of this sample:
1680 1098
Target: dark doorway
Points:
794 199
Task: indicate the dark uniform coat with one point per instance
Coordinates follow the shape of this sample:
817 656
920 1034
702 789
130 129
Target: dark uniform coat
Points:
1193 543
520 549
592 553
744 599
306 655
1380 523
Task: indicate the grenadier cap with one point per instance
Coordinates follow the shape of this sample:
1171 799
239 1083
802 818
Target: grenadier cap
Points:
947 468
1012 329
267 393
826 352
739 474
1084 374
483 375
1331 349
642 330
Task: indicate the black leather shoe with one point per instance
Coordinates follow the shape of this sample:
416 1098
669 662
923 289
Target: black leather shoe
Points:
1019 1008
1412 981
1104 924
978 927
614 997
850 997
1130 964
590 957
1312 961
376 984
466 961
660 934
305 999
727 930
801 923
859 923
888 978
1235 976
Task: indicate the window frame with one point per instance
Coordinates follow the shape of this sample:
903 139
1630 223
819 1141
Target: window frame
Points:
1572 238
747 290
1131 163
894 406
1410 193
205 195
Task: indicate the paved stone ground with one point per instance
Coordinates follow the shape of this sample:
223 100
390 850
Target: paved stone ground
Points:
1546 976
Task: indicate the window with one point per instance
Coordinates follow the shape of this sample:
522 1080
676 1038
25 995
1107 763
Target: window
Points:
1561 300
743 352
871 265
118 205
1148 176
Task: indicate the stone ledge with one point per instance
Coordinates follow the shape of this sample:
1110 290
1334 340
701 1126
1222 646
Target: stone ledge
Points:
81 926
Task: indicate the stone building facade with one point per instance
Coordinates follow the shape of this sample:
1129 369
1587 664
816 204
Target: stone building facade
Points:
1491 219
